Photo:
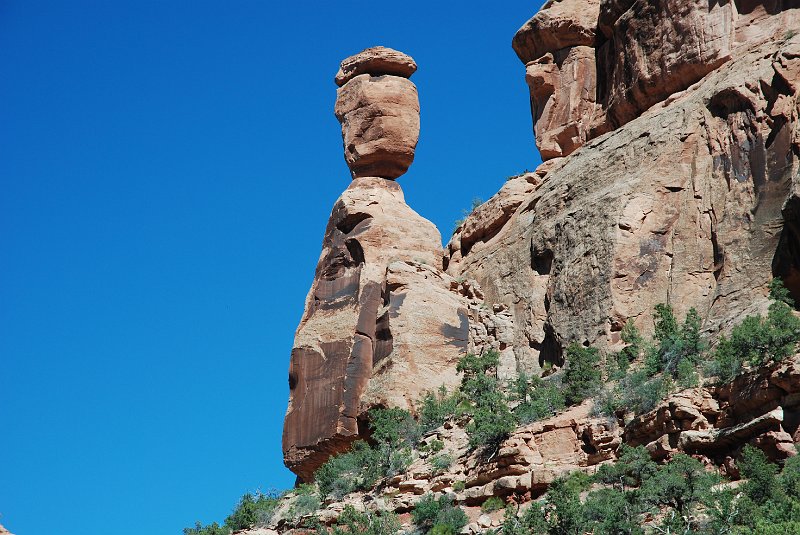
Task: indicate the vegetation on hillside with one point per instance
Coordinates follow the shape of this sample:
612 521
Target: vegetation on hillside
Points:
637 496
632 496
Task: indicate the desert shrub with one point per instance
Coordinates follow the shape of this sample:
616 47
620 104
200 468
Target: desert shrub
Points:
441 462
582 377
357 469
437 408
633 468
492 420
367 523
678 348
438 515
493 504
538 399
476 202
252 510
532 521
634 345
210 529
306 501
459 485
640 393
682 486
757 340
779 292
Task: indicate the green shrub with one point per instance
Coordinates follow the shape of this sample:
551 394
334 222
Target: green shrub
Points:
441 462
533 521
357 469
210 529
493 504
633 468
459 485
437 408
680 496
758 340
438 515
790 477
491 424
450 521
779 292
610 512
367 523
635 343
436 446
492 420
563 507
538 399
394 428
678 348
682 485
253 510
762 483
582 377
306 501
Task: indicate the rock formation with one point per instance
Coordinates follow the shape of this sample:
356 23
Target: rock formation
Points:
691 203
381 325
378 108
671 140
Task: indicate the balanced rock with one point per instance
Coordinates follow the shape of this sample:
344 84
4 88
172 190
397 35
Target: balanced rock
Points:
383 323
376 61
378 109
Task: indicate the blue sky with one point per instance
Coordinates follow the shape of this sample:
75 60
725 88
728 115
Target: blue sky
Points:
167 171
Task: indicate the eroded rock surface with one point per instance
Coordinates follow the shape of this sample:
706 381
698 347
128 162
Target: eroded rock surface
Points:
691 204
378 108
594 66
368 309
383 324
376 61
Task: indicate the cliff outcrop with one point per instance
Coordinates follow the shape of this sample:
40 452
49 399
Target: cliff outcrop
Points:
671 147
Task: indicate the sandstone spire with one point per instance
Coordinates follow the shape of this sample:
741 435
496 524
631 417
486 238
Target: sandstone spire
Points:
378 108
381 325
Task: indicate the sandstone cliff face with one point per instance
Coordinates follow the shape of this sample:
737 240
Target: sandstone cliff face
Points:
691 203
672 147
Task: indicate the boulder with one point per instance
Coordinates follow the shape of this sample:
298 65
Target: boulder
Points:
379 113
376 61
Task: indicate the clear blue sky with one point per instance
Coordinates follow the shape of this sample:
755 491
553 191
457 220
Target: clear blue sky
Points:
167 171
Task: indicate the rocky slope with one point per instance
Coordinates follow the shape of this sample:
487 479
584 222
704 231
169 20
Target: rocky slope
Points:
669 131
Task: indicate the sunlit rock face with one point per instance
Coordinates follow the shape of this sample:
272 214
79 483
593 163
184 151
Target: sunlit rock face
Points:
378 108
383 323
690 196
